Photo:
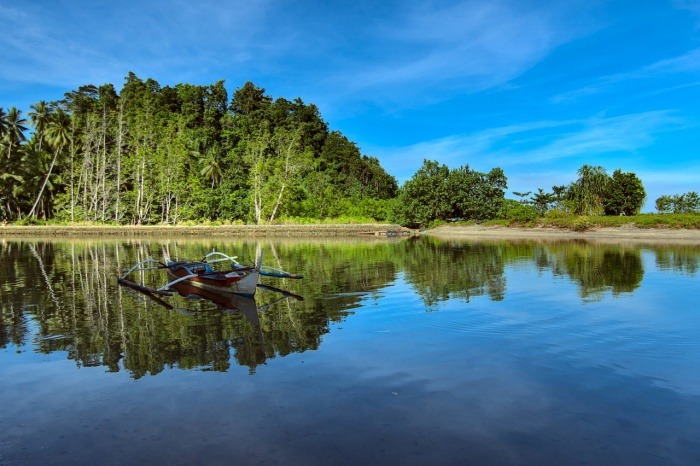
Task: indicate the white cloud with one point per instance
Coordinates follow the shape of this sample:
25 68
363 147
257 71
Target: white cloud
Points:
469 46
68 45
688 62
533 147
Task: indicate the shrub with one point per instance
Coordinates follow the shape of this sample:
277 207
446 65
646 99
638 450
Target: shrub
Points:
516 213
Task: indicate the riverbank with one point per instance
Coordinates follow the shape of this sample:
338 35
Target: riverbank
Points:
625 233
330 230
628 233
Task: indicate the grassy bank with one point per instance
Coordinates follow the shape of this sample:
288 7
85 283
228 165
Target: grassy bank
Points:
583 223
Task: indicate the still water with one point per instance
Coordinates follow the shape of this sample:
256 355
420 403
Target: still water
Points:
415 351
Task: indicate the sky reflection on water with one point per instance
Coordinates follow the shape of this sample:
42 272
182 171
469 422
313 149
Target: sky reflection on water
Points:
412 352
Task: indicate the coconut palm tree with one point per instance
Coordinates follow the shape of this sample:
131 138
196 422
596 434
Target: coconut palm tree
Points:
58 135
14 129
212 170
39 116
3 123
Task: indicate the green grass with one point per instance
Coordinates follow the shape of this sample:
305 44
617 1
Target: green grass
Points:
581 223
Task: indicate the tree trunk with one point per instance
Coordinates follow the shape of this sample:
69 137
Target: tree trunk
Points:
43 185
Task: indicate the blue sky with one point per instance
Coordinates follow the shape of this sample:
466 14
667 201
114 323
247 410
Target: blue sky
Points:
537 88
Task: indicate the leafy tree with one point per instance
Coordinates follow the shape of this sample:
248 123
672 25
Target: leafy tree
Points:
542 200
679 204
425 197
437 193
474 195
58 134
624 194
517 212
151 153
249 98
522 196
587 193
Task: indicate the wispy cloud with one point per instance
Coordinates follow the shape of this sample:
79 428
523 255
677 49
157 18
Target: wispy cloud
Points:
688 62
534 146
399 54
468 46
100 42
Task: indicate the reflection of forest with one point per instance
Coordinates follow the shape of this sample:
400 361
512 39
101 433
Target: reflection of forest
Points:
69 290
63 296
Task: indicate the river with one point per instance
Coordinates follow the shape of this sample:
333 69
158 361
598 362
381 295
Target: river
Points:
401 351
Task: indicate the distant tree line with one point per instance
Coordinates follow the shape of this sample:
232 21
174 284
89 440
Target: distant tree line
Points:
679 203
594 193
159 154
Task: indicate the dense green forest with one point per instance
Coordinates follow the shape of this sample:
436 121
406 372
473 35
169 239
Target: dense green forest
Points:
159 154
154 154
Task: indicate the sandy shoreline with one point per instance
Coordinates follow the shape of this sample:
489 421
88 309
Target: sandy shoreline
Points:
620 234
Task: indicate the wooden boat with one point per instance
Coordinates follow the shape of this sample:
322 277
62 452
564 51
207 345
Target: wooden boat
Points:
237 279
233 278
224 301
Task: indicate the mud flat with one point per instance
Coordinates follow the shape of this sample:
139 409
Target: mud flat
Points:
607 234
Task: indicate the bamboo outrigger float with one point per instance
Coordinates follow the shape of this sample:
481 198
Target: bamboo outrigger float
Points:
235 278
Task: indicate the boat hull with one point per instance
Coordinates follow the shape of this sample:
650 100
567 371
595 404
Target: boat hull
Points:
243 282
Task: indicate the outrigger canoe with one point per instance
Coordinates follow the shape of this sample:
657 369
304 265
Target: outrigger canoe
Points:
235 278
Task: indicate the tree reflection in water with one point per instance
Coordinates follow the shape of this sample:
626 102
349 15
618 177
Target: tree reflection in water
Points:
63 295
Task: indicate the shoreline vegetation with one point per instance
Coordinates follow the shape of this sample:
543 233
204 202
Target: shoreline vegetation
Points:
195 157
588 229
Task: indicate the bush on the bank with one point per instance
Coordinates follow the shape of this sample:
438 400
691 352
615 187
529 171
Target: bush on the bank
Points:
516 213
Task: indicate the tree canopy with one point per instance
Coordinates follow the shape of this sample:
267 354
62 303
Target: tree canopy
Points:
185 153
437 193
152 153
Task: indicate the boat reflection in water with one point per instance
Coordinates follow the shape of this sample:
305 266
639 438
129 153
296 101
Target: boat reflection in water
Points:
233 302
223 300
250 347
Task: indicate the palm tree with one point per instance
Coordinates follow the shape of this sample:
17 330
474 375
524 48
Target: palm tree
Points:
588 191
58 135
3 123
14 129
211 169
40 115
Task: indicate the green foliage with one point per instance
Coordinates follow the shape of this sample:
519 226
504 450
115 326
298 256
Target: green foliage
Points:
588 192
624 194
679 204
437 193
581 223
425 197
152 154
568 220
517 213
476 196
542 201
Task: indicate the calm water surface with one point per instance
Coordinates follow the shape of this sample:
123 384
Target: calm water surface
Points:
414 351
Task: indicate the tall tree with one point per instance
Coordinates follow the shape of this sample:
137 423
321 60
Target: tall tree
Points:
624 194
425 197
249 98
3 124
58 134
588 191
14 129
39 116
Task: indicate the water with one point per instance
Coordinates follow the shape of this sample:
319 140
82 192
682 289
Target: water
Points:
414 351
